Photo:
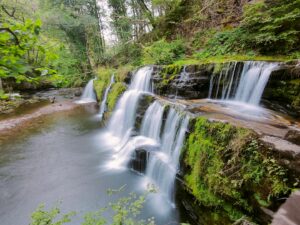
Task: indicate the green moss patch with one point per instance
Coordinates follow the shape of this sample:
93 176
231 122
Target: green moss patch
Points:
103 79
227 168
117 90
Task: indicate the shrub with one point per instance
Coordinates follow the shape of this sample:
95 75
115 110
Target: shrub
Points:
226 42
273 26
163 52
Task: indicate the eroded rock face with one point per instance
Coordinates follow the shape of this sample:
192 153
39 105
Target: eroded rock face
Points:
283 89
188 82
145 101
293 136
282 92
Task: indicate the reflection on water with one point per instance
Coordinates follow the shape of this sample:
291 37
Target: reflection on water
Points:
59 158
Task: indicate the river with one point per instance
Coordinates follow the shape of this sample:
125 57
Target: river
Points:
57 160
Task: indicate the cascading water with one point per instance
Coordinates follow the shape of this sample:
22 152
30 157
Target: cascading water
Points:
150 132
163 164
103 103
152 121
184 76
123 118
253 82
246 87
88 95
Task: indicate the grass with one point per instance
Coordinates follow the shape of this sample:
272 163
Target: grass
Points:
230 58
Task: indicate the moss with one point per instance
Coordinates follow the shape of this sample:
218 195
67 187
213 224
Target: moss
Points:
122 72
102 81
227 168
168 74
117 89
230 58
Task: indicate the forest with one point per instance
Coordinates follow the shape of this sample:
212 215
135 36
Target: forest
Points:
189 110
62 43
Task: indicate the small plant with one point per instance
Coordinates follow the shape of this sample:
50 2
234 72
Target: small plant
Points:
125 211
3 96
164 52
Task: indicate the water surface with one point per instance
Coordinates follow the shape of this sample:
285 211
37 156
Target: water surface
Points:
60 158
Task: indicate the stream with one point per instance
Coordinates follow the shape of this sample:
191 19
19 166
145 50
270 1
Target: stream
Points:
57 161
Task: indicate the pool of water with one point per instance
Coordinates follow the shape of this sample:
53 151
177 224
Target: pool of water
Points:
58 160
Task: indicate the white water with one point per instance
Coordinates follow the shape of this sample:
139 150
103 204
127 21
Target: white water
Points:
152 121
184 76
164 164
88 95
122 121
250 84
164 152
104 101
123 117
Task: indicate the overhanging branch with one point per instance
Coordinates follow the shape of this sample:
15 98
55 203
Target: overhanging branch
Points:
12 33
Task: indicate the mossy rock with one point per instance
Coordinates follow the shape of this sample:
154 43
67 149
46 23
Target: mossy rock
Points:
228 167
117 90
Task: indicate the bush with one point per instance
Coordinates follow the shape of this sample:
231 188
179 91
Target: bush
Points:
227 42
273 26
122 54
266 28
163 52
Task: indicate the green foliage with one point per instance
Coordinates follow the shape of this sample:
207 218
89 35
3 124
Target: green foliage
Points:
122 54
229 169
3 95
163 52
61 50
19 44
273 26
228 42
266 28
124 211
43 217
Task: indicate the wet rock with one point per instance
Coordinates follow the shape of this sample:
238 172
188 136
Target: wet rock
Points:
78 93
283 89
289 212
293 136
287 153
52 99
139 161
145 101
283 146
188 82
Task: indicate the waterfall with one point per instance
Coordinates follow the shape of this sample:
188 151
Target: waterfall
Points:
103 103
157 145
184 76
88 95
152 121
163 165
246 87
123 118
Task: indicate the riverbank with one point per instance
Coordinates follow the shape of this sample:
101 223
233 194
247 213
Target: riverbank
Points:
40 104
